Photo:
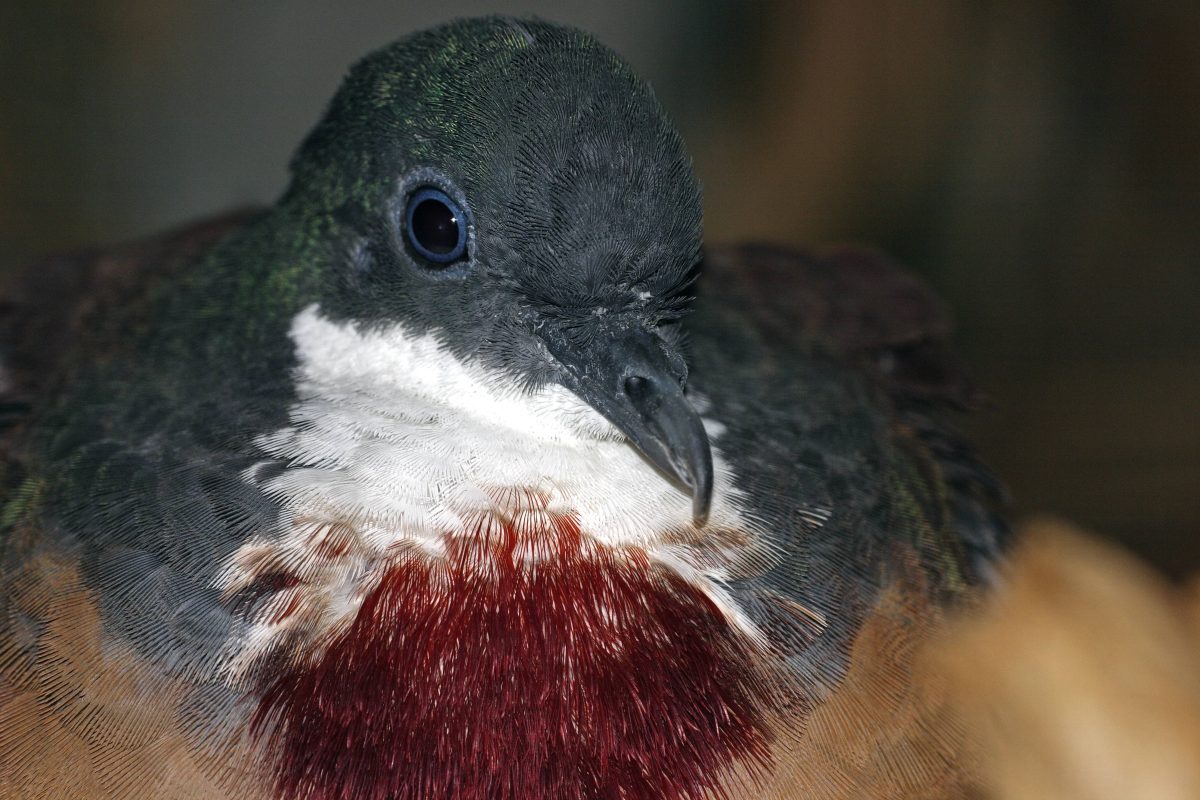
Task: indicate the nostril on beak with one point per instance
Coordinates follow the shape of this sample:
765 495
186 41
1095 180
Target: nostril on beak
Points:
644 393
637 388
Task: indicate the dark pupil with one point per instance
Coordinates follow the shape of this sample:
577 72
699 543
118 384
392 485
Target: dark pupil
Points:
435 227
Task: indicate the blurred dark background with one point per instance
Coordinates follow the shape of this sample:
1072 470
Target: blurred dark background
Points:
1038 162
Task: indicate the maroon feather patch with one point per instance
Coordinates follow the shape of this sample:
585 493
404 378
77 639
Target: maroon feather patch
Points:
529 662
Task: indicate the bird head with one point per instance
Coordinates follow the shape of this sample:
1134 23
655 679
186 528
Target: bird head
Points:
513 189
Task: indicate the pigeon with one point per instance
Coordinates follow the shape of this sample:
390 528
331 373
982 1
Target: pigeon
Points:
468 470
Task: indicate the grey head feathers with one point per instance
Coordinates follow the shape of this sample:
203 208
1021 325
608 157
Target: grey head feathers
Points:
581 206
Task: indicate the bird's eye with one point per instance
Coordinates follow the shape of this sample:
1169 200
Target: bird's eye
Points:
435 226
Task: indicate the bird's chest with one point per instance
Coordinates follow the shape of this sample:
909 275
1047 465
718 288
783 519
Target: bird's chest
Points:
587 673
476 593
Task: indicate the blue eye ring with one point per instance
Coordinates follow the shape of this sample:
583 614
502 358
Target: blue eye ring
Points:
435 226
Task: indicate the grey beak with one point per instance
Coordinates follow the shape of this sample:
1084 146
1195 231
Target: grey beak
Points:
630 378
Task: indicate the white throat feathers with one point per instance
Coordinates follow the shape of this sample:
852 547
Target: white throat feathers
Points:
396 443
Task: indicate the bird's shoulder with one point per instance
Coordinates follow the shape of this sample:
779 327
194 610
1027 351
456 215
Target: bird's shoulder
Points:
852 302
62 316
831 376
71 307
844 351
67 685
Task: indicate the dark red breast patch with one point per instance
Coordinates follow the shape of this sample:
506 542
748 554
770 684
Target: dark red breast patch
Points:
569 671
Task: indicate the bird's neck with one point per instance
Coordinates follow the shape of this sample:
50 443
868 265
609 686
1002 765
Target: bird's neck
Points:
588 673
478 594
399 440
